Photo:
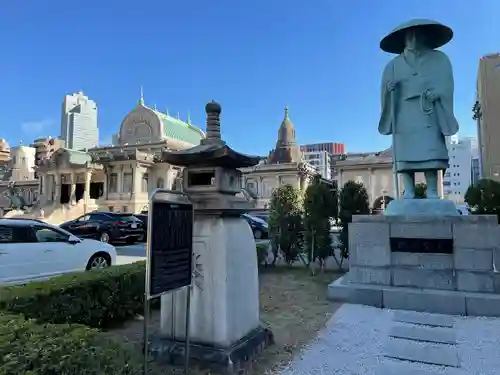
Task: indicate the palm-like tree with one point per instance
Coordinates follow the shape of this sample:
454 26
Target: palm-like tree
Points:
476 110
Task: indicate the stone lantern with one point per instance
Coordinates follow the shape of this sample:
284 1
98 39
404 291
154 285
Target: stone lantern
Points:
225 326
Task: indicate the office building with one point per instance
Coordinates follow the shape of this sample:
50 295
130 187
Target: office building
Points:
458 176
79 122
321 160
487 114
332 148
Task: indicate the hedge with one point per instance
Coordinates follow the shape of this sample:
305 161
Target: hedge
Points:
100 298
29 348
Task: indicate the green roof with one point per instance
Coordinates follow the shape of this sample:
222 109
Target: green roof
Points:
179 130
78 157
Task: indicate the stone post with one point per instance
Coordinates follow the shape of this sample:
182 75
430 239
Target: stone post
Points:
86 194
72 195
119 182
57 188
134 179
106 182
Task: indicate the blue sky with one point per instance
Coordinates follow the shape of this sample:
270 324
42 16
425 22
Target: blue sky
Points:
319 57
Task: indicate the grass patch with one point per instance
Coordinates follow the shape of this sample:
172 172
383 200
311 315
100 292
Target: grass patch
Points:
292 303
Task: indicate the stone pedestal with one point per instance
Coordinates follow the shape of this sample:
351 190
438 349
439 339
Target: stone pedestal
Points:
225 326
445 264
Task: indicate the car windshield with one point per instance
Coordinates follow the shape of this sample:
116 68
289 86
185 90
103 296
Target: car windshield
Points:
126 218
255 218
58 229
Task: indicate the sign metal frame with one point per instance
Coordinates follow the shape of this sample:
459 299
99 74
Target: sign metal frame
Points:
173 197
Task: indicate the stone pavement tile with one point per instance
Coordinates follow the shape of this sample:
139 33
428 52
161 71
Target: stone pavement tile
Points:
434 354
420 333
403 368
423 319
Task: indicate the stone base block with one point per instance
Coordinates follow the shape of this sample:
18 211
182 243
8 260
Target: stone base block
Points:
423 278
427 207
422 300
222 360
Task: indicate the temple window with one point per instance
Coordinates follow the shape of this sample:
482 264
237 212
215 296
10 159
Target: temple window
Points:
127 183
252 187
113 183
160 184
144 183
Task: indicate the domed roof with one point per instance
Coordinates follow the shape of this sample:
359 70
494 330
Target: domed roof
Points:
287 150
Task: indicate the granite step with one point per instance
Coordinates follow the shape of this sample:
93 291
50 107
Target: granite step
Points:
436 335
435 320
404 368
423 352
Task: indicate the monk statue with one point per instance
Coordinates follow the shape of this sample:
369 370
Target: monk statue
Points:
417 102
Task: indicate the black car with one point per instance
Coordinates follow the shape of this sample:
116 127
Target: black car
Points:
144 219
259 227
107 227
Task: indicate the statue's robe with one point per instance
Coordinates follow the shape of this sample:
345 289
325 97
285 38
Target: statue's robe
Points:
418 126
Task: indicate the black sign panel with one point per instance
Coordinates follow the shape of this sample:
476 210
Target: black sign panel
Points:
171 246
422 245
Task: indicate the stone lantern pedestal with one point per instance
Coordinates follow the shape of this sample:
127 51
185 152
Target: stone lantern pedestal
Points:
225 328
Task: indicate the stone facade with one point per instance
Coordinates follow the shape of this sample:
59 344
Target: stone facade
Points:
464 281
116 178
374 170
283 166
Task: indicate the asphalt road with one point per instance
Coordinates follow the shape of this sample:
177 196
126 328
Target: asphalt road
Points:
134 253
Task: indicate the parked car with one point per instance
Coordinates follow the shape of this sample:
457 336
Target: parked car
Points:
34 250
259 227
144 219
107 227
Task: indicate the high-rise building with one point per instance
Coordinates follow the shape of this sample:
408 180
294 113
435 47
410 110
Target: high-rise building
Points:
332 148
487 115
458 176
321 160
79 122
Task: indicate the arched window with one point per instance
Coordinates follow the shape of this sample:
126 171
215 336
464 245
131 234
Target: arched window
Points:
160 184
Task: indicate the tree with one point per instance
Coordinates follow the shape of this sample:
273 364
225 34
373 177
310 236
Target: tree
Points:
353 201
484 198
421 190
319 204
285 222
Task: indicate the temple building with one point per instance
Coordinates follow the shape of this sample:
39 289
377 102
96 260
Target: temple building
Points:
374 170
116 178
283 166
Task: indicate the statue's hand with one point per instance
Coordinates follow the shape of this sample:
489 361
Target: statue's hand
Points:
391 85
431 96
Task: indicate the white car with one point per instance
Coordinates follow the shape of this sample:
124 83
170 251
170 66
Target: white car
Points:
34 250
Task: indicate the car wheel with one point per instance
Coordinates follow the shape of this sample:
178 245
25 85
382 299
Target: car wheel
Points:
104 237
257 233
99 261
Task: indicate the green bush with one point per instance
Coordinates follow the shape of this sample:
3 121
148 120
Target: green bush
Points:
29 348
99 298
262 252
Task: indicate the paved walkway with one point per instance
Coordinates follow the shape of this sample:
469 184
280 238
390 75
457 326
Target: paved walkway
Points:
369 341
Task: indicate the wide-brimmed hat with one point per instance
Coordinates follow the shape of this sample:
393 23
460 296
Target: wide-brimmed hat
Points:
437 35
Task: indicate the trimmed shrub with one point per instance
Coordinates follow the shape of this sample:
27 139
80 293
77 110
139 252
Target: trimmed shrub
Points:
100 298
262 251
27 347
